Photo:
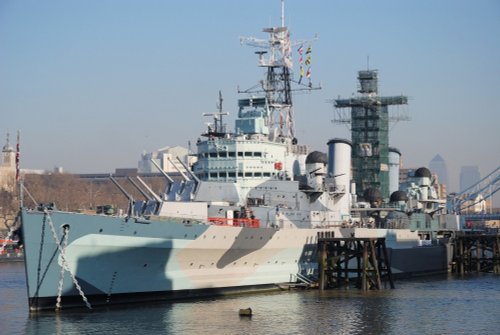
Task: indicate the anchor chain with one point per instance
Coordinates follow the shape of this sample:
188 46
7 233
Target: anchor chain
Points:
61 273
65 265
40 253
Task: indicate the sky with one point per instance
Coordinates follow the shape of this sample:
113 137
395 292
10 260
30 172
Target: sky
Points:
93 84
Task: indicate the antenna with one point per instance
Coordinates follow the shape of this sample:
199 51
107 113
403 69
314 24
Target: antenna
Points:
219 105
282 13
218 129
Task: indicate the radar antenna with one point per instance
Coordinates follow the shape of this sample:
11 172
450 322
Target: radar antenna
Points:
218 128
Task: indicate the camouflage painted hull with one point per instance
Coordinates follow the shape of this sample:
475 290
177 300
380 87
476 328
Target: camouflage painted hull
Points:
117 260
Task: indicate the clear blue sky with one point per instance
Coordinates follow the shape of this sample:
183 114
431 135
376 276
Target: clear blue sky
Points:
92 84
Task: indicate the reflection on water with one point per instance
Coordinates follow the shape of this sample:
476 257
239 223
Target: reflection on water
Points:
425 306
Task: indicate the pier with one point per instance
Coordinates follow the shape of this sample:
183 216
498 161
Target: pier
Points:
476 253
362 262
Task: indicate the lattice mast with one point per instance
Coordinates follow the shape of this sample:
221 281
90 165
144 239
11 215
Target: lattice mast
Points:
275 55
369 118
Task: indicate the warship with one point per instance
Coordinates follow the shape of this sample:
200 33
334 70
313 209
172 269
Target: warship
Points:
245 217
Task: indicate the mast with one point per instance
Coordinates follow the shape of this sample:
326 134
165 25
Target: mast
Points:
18 154
275 55
368 114
282 13
218 128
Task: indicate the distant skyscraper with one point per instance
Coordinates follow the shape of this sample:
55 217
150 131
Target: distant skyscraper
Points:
469 175
438 166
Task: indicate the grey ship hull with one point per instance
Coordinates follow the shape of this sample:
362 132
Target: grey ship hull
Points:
118 260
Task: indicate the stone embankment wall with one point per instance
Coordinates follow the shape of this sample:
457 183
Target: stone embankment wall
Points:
6 221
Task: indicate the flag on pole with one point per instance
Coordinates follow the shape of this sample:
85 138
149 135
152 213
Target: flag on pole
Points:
300 50
17 157
301 73
308 60
308 53
301 58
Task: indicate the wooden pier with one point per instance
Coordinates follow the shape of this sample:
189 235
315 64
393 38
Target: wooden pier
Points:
475 253
362 262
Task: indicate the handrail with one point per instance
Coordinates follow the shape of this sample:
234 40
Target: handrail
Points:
304 279
236 222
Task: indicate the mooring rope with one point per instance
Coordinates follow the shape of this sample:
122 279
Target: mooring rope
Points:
65 265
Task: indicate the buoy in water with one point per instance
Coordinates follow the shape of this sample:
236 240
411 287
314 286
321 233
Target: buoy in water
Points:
245 311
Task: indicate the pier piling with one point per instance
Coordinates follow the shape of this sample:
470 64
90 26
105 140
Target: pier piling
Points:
476 253
363 262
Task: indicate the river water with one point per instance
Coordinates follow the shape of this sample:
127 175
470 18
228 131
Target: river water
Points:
437 305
